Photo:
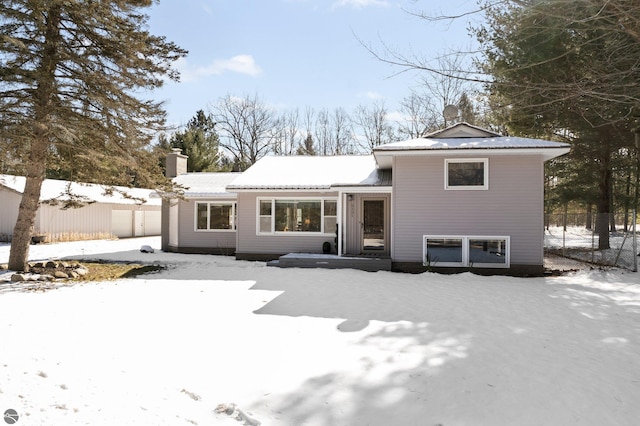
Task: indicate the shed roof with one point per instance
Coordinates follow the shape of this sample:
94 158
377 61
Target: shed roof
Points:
53 189
310 173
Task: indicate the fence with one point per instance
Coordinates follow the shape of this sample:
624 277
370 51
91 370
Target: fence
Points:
574 236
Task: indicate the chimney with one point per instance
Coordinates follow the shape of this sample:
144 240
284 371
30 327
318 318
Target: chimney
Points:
176 163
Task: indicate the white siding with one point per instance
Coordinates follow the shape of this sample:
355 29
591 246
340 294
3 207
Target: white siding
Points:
513 206
152 222
9 203
121 223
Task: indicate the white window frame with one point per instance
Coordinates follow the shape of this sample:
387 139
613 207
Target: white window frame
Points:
273 200
483 187
215 203
465 251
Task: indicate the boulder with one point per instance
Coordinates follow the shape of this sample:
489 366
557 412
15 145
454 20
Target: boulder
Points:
60 274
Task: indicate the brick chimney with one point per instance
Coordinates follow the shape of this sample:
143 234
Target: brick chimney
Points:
176 163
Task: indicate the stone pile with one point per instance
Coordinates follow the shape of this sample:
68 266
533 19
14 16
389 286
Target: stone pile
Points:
51 270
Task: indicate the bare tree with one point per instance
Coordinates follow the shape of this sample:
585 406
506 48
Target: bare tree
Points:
248 128
418 117
373 124
323 132
342 132
289 133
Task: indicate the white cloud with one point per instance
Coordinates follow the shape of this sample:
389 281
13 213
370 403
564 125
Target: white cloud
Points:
359 4
241 64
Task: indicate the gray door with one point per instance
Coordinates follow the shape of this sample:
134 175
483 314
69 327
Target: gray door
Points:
373 226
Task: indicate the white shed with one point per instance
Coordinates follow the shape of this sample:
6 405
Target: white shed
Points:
108 216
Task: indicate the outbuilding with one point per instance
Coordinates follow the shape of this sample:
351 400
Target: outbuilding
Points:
74 211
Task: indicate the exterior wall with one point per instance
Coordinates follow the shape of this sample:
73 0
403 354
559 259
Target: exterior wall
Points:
190 240
94 221
164 227
254 246
9 203
512 206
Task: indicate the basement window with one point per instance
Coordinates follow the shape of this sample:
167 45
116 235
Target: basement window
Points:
466 251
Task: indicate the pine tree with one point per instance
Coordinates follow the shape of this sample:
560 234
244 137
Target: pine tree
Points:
200 142
70 72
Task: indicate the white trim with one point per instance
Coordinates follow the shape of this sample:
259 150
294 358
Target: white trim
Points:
384 157
273 200
214 202
483 187
465 239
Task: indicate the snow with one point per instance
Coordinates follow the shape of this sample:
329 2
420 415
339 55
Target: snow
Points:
307 172
59 190
498 142
203 185
317 347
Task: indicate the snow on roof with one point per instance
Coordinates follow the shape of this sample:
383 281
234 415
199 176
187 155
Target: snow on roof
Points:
309 172
58 190
206 184
498 142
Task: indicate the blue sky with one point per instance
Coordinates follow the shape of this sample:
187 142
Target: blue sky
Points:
298 53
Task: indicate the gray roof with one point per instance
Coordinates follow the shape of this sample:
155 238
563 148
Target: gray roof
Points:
465 139
498 142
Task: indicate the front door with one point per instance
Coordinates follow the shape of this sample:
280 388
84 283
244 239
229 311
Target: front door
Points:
373 226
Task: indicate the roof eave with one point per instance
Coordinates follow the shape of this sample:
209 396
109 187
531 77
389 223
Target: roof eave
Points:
383 156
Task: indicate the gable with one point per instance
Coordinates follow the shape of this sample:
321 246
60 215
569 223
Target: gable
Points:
462 130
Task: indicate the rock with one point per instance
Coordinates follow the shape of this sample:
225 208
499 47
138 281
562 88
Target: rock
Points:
60 274
81 271
146 249
3 267
51 264
18 278
73 274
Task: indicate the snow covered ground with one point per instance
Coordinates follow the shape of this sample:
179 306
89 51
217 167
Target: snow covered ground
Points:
318 347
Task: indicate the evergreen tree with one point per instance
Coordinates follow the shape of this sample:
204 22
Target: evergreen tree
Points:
70 73
307 147
199 141
552 64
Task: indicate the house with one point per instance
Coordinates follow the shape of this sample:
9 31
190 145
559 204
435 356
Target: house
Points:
107 215
460 198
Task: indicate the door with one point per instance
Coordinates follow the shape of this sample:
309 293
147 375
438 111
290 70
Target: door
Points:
373 226
121 221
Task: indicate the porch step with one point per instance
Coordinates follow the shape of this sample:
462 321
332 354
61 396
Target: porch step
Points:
332 261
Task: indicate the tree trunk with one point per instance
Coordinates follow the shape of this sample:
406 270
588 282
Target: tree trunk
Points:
21 239
602 219
43 97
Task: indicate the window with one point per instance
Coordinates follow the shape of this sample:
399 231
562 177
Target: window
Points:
330 216
466 174
212 216
296 215
265 217
480 252
443 251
